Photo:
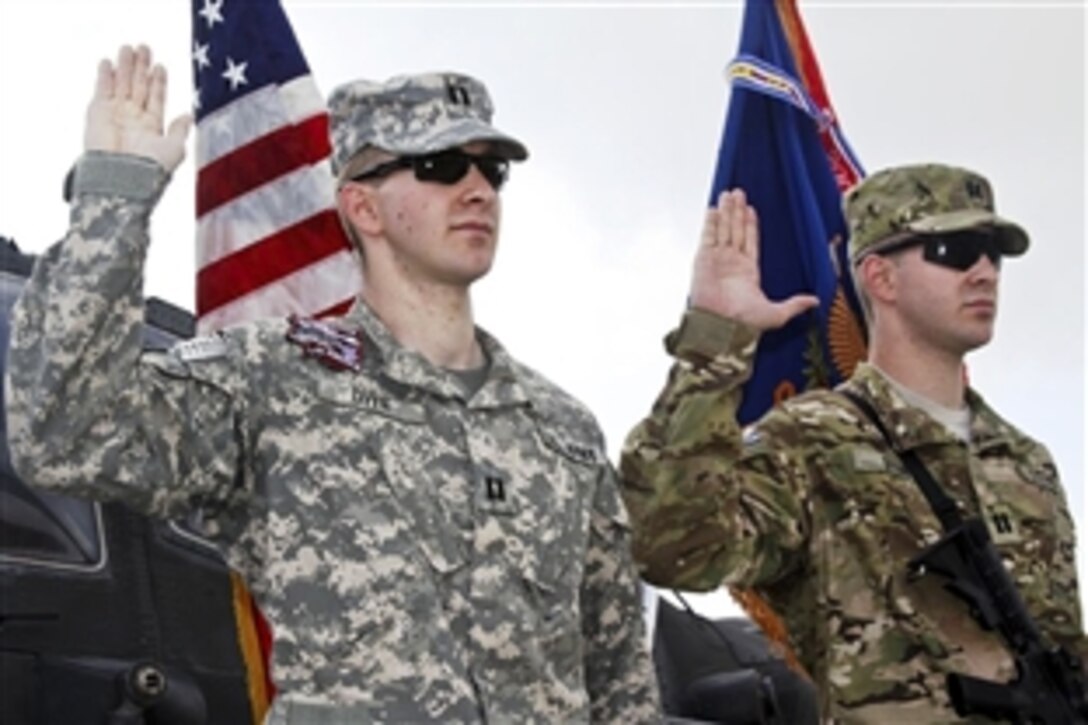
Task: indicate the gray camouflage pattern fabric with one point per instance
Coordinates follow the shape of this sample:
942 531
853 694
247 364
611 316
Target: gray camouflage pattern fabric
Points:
899 202
811 509
361 507
412 115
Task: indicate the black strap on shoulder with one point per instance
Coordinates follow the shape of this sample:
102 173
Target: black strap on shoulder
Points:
939 501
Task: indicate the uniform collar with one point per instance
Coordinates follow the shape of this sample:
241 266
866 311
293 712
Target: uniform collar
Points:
502 387
910 427
988 429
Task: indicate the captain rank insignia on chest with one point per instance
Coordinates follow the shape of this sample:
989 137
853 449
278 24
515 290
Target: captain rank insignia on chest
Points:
493 493
1002 524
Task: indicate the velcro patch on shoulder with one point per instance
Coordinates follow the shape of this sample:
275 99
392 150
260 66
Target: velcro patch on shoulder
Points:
201 348
868 460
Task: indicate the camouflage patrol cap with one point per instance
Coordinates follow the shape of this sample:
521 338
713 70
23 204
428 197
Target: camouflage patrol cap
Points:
924 199
414 114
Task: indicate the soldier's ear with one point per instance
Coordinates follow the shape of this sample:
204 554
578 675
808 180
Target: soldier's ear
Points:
877 276
358 204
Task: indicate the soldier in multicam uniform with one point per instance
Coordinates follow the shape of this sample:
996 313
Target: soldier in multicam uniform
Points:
431 527
810 507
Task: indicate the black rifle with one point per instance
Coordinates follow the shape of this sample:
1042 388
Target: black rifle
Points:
1049 687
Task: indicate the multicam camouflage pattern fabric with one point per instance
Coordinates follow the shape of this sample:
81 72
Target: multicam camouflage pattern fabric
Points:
412 115
811 509
892 204
420 556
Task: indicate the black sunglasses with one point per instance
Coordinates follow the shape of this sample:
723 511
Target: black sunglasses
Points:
955 250
444 167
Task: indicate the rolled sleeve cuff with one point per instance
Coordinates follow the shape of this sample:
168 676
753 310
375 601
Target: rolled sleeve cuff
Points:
100 173
703 335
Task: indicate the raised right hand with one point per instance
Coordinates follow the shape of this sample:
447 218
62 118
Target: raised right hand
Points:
726 276
126 113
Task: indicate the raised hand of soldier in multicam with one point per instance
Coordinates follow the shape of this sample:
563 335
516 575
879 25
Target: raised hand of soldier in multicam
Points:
726 276
126 113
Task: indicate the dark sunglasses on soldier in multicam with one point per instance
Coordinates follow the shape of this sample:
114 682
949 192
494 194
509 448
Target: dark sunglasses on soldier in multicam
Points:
955 250
445 167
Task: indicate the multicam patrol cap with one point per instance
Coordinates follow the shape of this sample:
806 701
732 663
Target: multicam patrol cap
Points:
414 114
895 203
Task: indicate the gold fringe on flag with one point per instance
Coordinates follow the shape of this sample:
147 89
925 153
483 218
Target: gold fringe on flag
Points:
250 645
774 629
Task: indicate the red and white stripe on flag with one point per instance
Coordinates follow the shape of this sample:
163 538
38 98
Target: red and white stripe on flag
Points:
269 243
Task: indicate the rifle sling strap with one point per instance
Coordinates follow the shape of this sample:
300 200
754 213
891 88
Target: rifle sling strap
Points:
1070 683
939 501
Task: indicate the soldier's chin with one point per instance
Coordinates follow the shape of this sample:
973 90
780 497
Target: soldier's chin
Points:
979 340
468 274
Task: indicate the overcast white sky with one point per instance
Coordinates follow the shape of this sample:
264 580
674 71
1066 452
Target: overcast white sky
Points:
621 106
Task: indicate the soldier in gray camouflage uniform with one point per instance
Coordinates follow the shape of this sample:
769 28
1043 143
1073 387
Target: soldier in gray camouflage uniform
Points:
809 506
431 527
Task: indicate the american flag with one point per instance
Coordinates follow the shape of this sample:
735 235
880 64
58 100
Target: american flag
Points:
268 239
